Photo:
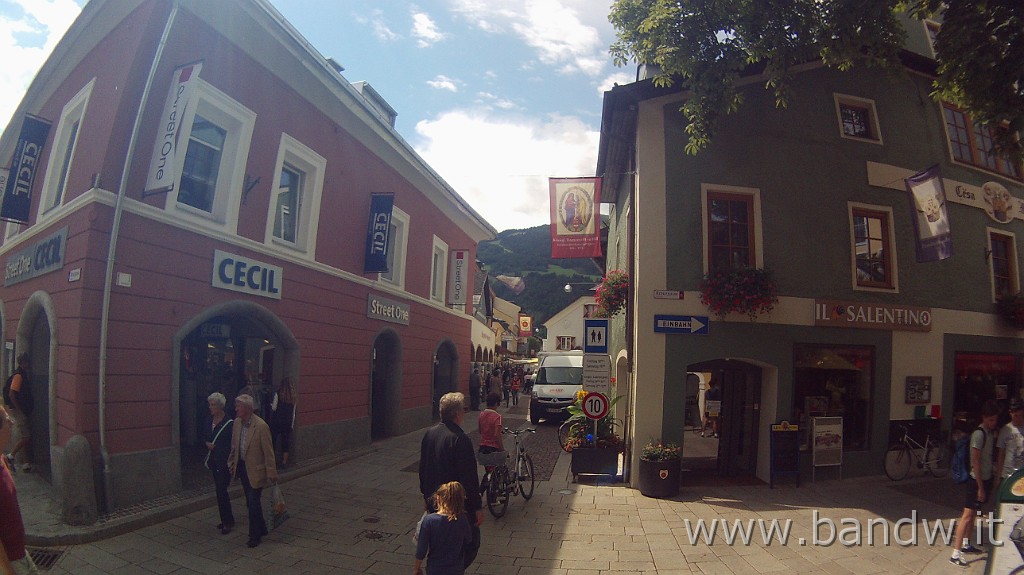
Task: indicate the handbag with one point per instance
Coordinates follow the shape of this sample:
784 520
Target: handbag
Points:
206 462
278 510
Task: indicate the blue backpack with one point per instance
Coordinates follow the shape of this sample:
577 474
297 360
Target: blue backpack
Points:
960 467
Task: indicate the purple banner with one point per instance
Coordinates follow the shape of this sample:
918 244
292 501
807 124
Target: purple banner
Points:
931 222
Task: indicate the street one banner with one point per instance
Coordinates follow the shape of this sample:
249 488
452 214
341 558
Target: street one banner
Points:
931 221
525 326
378 233
575 217
163 167
458 277
24 166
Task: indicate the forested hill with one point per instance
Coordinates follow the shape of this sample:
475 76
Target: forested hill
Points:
526 253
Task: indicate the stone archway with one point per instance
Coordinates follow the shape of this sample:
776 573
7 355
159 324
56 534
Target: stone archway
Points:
37 334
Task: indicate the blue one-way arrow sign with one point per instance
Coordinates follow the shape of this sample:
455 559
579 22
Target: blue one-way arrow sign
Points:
690 324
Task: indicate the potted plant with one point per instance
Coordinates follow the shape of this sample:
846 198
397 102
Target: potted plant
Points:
595 449
612 293
660 470
746 290
1011 309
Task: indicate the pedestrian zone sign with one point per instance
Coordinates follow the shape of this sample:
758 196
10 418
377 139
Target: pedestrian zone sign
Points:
595 336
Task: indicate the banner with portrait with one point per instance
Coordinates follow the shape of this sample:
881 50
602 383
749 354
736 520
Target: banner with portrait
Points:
928 211
575 217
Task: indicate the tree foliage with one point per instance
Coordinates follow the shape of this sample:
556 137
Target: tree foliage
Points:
710 44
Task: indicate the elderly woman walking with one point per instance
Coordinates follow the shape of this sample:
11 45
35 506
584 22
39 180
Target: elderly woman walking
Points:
218 442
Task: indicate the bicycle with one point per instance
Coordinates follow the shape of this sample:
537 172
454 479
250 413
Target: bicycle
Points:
897 459
572 429
501 484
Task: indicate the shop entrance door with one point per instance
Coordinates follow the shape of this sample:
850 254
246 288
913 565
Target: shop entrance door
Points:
39 381
740 385
385 383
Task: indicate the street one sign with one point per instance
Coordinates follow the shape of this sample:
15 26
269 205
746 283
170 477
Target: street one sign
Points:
597 372
595 336
688 324
595 405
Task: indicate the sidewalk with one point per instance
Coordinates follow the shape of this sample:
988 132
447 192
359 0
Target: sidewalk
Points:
354 513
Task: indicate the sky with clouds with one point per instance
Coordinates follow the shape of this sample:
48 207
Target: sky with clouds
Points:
496 95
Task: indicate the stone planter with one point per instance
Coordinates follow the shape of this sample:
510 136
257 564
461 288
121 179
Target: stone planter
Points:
594 461
659 478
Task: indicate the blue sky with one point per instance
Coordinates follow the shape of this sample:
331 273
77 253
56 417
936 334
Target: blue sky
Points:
496 95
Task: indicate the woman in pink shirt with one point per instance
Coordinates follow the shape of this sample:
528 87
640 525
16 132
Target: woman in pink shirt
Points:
489 424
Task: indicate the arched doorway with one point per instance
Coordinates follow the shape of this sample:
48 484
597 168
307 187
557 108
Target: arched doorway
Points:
36 336
734 451
385 384
224 349
445 361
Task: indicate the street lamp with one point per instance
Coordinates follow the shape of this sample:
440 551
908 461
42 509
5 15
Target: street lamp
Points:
568 286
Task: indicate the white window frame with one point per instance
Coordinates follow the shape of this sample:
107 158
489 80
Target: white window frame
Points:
565 342
1013 258
313 166
758 239
854 101
73 112
399 245
894 255
238 122
439 272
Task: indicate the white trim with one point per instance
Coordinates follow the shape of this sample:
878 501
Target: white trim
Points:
876 128
758 238
439 270
73 112
893 259
1013 258
398 246
238 122
313 167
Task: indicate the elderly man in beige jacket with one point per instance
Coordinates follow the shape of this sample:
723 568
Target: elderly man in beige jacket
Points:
252 459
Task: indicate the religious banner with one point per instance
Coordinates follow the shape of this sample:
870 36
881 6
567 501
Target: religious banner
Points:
163 167
24 166
525 326
378 233
575 217
931 221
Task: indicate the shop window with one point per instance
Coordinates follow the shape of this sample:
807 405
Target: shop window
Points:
872 247
1002 258
980 377
398 240
975 145
835 381
295 201
730 230
439 270
857 118
64 145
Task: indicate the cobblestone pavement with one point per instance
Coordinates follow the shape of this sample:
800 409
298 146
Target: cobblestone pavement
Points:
356 515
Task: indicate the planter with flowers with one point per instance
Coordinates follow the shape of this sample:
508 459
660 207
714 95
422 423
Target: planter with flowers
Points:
1011 309
745 290
660 469
595 449
612 293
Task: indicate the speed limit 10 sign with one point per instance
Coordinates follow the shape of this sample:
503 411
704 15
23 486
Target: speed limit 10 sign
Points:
595 405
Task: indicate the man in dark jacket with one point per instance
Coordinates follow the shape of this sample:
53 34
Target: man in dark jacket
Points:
446 454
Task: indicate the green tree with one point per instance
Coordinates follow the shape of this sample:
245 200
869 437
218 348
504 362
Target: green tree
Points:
710 44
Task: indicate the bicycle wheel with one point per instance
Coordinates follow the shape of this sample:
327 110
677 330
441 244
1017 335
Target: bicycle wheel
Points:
567 430
937 460
897 462
497 492
524 476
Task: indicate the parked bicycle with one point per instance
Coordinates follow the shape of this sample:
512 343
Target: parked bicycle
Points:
932 456
503 480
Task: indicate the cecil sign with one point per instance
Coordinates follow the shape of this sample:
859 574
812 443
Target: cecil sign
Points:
241 274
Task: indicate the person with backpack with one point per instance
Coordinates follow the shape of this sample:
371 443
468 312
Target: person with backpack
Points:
979 486
18 397
1010 444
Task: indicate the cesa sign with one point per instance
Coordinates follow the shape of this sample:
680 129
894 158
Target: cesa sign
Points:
241 274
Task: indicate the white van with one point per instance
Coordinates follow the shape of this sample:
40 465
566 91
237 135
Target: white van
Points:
558 378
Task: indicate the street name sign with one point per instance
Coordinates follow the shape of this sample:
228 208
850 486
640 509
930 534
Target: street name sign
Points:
686 324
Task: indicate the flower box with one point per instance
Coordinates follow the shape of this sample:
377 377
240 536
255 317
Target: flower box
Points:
659 479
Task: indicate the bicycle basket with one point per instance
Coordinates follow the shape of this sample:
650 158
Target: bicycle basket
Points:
491 459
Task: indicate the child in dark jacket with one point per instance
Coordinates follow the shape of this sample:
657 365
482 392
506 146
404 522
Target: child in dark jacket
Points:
444 534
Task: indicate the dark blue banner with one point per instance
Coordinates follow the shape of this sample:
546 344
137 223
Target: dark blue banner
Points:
18 193
378 232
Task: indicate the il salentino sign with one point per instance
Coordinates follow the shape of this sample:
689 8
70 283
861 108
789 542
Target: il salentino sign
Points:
872 316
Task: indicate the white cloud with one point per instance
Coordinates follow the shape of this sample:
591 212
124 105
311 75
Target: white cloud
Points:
620 78
442 82
25 41
495 101
500 166
425 30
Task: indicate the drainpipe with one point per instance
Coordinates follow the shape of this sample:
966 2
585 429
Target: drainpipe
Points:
108 489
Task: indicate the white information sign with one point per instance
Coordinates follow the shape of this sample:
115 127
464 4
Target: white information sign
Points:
597 369
826 442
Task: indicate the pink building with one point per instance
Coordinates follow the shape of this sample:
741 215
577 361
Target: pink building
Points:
200 219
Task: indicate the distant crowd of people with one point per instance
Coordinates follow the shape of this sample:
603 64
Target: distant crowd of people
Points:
508 381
